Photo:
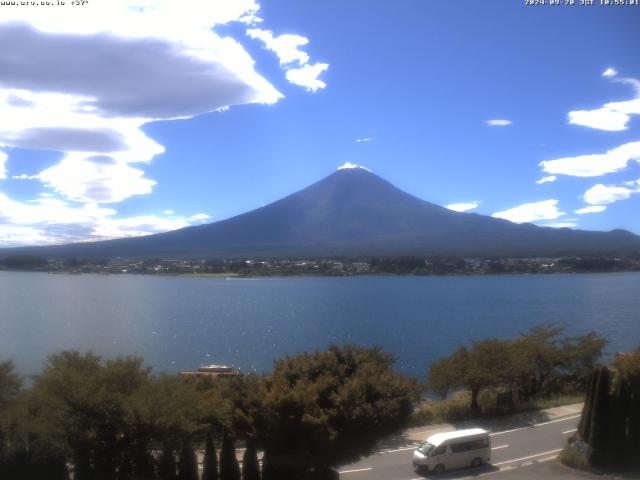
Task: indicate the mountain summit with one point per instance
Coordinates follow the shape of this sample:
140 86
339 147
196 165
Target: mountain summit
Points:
354 212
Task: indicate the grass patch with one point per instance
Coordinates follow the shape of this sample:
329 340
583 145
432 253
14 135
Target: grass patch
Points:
456 407
573 458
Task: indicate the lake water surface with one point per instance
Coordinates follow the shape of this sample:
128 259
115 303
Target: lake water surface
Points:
180 322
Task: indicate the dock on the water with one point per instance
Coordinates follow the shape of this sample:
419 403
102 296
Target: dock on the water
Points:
211 371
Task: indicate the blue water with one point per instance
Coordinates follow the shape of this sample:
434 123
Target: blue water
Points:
180 322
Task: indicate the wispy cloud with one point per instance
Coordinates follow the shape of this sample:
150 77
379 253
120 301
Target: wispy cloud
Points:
591 209
364 140
200 217
567 224
610 72
594 165
601 194
532 212
548 179
498 122
463 206
47 220
3 168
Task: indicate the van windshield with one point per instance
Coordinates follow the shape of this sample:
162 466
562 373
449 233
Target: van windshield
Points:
425 448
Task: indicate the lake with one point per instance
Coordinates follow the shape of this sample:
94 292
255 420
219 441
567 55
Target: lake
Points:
180 322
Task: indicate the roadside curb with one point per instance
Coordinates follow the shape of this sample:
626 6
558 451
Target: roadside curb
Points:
410 437
604 476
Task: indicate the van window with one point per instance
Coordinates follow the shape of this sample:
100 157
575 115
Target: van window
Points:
471 445
440 450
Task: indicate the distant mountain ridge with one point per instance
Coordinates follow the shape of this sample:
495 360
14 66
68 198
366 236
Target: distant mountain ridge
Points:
353 212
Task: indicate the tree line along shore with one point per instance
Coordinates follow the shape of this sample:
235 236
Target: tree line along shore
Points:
336 266
86 417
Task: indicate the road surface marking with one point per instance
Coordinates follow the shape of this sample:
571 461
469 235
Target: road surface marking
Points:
507 431
501 446
570 431
356 470
398 449
556 421
534 425
527 458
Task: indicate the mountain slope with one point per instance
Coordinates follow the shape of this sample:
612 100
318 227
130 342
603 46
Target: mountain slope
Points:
354 212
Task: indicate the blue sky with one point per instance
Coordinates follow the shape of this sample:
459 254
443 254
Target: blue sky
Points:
128 117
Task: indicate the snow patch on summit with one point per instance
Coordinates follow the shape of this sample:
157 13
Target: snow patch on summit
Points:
349 165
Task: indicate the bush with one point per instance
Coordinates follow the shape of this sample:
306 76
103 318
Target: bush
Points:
571 457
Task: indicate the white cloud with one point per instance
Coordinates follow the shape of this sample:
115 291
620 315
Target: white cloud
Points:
595 164
560 224
307 76
295 61
550 178
350 166
48 221
498 122
462 207
83 81
602 119
284 46
613 116
99 179
168 212
591 209
605 194
200 217
3 168
531 212
363 140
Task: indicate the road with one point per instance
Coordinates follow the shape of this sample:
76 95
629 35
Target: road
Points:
523 447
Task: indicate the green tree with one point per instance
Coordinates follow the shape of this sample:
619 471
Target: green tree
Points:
486 364
578 355
250 465
534 357
167 410
188 464
10 384
229 468
328 407
87 398
210 463
167 469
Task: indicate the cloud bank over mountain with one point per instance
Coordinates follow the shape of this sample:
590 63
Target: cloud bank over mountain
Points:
84 82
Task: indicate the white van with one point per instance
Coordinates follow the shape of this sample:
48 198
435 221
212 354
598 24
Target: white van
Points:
447 451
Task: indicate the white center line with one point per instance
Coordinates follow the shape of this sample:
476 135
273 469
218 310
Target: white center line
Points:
570 431
556 421
527 458
534 425
356 470
499 447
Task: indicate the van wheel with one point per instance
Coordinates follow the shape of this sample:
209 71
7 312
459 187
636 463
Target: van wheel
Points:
476 462
439 469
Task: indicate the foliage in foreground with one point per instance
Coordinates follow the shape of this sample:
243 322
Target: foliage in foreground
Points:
114 419
537 364
610 422
330 407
